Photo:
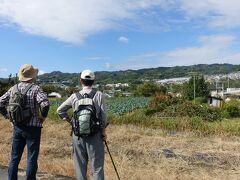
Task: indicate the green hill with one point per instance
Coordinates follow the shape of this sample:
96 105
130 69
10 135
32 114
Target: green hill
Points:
134 76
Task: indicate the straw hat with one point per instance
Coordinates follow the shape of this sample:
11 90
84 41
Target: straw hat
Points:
27 72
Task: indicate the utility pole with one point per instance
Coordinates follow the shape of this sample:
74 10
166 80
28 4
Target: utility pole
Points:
222 90
194 87
228 81
217 87
193 74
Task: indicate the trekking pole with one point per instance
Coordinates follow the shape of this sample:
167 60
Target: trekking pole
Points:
111 159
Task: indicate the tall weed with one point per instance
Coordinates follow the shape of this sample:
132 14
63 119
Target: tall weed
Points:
195 124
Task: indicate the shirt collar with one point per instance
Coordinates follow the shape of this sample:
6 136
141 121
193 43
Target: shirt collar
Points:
86 87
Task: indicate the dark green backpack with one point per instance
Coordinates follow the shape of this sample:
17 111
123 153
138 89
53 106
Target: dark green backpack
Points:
19 109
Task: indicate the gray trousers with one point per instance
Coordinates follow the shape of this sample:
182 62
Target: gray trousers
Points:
89 149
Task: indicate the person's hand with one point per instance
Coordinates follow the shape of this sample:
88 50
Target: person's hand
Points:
68 120
104 134
41 119
6 116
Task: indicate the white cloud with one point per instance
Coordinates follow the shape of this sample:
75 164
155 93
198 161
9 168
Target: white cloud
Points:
95 58
72 20
108 65
41 72
3 70
211 49
217 13
123 39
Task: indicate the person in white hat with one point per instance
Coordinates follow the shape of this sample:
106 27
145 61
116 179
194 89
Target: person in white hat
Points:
87 148
28 130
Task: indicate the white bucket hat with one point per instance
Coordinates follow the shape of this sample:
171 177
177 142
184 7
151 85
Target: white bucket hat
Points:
87 75
27 72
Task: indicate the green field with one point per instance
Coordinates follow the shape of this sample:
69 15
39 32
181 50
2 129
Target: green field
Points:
115 106
132 110
121 105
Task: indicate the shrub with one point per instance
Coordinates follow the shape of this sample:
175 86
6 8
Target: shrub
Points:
54 104
195 124
149 111
4 88
149 89
200 100
203 111
52 114
161 101
232 108
233 111
167 106
49 89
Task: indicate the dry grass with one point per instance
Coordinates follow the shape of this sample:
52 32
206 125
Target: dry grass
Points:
139 153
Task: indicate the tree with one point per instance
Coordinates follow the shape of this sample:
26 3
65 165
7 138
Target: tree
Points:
71 90
3 88
196 87
149 89
11 80
49 88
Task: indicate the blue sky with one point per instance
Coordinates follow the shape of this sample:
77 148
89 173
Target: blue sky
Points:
73 35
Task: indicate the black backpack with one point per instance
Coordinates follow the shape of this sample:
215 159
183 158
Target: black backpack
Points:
18 109
85 122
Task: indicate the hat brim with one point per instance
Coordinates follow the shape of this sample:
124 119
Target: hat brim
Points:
31 77
92 79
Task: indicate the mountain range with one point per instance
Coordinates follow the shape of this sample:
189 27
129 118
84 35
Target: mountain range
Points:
134 76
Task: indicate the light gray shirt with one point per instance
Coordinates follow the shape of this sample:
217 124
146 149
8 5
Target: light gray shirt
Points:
71 102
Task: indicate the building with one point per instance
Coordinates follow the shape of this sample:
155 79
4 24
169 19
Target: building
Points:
54 95
215 101
180 80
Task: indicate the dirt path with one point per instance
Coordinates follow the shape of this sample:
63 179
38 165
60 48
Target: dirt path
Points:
4 174
40 176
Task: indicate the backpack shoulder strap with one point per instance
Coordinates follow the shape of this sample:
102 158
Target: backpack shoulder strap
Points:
15 88
78 95
92 93
27 88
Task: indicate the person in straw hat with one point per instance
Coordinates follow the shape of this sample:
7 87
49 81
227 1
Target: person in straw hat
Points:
29 132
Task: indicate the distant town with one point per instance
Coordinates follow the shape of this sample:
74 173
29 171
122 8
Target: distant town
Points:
223 81
219 85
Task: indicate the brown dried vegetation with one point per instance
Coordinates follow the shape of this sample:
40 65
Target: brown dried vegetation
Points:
139 153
